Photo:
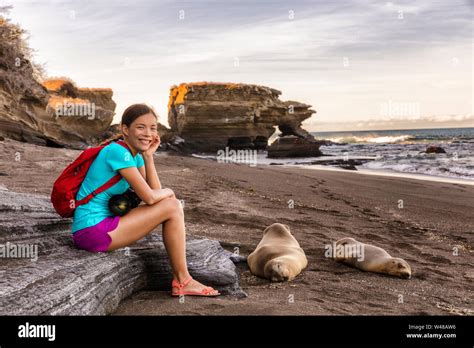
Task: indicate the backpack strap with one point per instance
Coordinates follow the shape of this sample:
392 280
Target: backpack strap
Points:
124 144
115 179
111 182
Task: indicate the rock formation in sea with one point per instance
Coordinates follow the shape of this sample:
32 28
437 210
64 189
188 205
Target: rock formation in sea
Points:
210 116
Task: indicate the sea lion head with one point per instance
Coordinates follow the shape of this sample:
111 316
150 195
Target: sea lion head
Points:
277 228
398 267
277 271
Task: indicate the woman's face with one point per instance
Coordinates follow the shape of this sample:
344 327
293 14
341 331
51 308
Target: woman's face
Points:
141 132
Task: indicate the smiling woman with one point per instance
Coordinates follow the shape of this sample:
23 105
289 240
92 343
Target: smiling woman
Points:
136 166
144 130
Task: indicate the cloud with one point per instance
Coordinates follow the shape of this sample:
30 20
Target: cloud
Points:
439 121
342 57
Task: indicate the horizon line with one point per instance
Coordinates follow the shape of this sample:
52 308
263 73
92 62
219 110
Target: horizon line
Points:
398 129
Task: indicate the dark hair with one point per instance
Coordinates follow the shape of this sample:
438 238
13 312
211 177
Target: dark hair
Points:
129 115
135 111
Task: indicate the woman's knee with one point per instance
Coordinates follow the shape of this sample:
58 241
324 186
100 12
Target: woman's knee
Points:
172 206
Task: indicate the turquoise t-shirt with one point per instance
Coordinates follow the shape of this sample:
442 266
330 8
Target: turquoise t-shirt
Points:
106 165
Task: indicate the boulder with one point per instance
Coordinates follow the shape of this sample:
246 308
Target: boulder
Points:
434 149
211 116
59 279
293 146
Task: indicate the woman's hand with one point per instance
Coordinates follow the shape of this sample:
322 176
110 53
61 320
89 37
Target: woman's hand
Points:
167 192
155 143
162 194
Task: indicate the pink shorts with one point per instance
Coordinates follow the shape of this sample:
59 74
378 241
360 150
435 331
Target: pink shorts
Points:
96 238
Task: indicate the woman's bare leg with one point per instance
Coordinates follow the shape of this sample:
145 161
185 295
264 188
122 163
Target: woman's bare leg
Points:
139 222
143 219
174 239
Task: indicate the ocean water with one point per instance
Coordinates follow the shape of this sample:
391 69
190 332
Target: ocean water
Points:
403 151
391 152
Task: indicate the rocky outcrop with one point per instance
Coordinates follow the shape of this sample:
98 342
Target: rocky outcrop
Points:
87 112
55 278
211 116
72 118
28 109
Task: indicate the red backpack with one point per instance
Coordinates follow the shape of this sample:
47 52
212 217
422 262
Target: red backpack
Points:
67 185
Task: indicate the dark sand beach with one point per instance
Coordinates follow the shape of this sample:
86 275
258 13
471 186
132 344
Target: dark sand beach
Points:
234 203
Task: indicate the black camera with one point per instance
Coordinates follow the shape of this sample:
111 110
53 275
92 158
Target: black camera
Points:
123 203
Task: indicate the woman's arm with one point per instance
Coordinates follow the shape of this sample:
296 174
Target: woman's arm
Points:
151 176
150 172
142 189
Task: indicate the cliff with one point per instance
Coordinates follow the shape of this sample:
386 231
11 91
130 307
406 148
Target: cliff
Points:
55 113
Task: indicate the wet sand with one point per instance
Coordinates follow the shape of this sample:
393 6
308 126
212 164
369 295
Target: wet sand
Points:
233 203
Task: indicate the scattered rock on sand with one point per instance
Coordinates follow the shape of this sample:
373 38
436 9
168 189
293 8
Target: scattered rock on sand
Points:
434 149
293 146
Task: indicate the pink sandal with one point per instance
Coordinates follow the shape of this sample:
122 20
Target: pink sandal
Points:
207 291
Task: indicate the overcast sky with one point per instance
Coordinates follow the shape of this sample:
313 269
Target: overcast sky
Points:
358 63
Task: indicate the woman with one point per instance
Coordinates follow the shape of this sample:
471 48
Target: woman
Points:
96 229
